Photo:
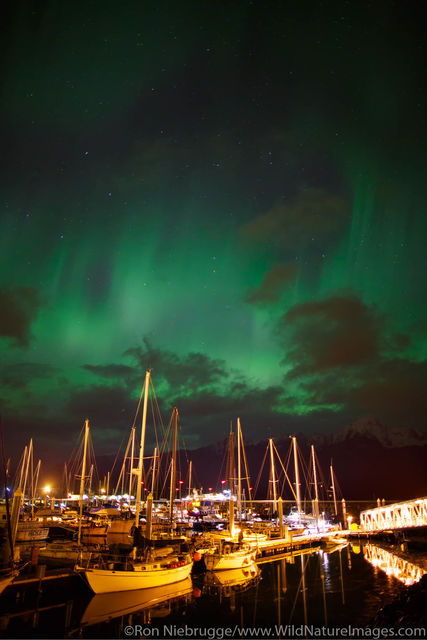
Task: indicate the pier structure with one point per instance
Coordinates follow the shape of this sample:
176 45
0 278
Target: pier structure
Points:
401 515
274 548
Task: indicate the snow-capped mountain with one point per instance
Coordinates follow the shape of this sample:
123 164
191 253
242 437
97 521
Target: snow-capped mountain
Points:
371 427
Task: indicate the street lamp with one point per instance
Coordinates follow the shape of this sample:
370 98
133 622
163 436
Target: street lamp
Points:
46 490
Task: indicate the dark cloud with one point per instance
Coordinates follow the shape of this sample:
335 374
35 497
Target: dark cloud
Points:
18 376
205 412
207 395
314 215
272 285
19 308
192 372
206 415
107 407
113 371
398 343
336 332
394 390
341 356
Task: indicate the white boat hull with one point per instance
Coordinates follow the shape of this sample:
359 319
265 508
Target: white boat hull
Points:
107 606
234 560
106 581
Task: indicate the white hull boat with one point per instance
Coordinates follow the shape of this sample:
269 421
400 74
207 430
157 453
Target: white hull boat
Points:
234 577
229 559
142 576
107 606
250 538
158 567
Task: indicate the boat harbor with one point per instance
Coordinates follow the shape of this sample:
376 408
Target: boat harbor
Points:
164 540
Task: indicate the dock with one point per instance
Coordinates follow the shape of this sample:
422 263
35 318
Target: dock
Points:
275 548
22 580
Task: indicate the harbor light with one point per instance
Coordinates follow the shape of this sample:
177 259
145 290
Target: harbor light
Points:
47 489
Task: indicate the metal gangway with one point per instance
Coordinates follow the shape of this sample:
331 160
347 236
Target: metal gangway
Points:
400 515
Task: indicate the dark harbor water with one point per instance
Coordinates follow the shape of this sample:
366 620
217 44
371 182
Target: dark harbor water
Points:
344 587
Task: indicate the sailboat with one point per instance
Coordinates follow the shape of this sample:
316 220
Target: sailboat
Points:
155 568
165 532
8 568
28 529
235 578
67 551
107 606
229 553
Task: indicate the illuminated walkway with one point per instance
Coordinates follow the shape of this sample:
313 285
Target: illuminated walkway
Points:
400 515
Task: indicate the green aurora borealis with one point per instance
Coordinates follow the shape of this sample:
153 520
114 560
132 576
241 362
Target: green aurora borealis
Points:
233 194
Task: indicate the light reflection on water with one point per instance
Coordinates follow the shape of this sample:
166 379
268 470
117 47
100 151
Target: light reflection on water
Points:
393 565
345 586
337 588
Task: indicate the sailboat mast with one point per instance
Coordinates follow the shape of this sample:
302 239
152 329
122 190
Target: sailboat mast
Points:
36 481
297 483
273 474
82 480
333 489
141 448
231 460
66 479
27 466
313 458
173 462
90 480
153 477
132 454
32 486
24 460
189 477
316 491
239 473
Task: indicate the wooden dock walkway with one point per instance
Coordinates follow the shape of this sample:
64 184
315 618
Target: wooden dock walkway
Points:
275 547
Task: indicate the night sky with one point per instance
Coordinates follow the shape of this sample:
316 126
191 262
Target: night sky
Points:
231 193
